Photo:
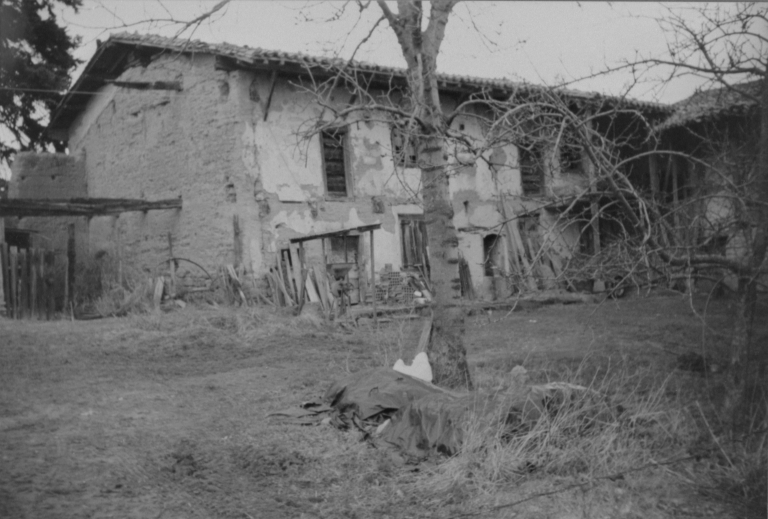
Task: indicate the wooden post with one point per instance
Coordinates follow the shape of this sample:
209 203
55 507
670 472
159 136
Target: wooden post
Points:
172 266
373 286
71 258
594 209
23 283
238 245
33 286
14 283
303 276
653 173
676 199
4 308
296 274
119 245
66 284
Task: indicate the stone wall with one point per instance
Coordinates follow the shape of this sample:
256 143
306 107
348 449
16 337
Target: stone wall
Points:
50 175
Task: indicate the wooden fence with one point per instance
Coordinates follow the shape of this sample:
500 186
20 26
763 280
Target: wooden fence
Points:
34 282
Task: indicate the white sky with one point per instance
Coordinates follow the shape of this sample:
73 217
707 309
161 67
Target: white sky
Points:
541 42
535 41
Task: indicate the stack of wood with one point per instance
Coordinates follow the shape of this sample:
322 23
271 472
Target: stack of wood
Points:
314 288
530 261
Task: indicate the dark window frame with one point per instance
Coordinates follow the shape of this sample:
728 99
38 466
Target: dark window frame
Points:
341 138
404 153
414 254
530 160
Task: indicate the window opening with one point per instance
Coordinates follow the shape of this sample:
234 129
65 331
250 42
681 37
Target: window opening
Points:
413 238
404 149
334 162
492 259
570 157
344 249
531 170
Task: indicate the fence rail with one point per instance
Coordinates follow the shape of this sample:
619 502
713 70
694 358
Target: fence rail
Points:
32 282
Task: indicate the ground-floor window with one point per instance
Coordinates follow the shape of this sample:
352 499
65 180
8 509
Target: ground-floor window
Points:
493 255
413 243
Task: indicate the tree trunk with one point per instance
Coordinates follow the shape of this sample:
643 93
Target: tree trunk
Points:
420 49
446 350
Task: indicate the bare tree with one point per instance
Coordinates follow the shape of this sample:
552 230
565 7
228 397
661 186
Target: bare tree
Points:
728 45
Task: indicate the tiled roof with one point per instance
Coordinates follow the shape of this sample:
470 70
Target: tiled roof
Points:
709 104
254 55
107 62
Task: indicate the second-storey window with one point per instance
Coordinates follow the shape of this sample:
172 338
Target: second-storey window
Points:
531 170
334 162
404 146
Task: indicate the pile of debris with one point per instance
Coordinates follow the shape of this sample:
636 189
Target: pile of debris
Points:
420 419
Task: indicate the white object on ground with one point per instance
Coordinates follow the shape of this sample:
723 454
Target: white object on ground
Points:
420 367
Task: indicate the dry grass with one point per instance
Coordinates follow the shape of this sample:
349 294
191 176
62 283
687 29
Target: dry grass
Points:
177 401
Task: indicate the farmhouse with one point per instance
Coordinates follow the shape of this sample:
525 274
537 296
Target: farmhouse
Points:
219 126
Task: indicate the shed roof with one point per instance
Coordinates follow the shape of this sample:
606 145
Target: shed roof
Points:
710 104
113 56
352 231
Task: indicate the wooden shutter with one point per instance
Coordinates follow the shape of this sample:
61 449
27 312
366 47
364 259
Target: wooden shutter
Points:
333 159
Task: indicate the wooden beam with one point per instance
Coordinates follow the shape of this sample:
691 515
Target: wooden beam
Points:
148 85
272 81
27 207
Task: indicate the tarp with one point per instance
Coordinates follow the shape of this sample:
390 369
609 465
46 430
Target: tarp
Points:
420 418
423 417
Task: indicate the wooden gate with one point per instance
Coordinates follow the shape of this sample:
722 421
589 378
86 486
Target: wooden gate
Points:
34 282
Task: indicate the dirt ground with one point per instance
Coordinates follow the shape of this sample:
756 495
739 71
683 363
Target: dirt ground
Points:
164 416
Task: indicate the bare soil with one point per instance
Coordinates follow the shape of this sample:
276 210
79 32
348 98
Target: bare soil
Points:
164 416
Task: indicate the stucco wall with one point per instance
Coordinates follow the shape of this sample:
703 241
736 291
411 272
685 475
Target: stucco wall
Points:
211 145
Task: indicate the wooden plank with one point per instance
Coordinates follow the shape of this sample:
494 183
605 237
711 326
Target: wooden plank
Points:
528 271
65 260
426 331
71 259
172 267
373 285
41 282
157 297
238 240
296 274
309 285
33 286
273 289
285 275
4 296
281 282
23 284
322 285
49 262
14 282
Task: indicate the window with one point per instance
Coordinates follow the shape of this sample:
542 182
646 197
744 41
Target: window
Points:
404 151
334 163
570 158
344 249
492 255
413 239
531 169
